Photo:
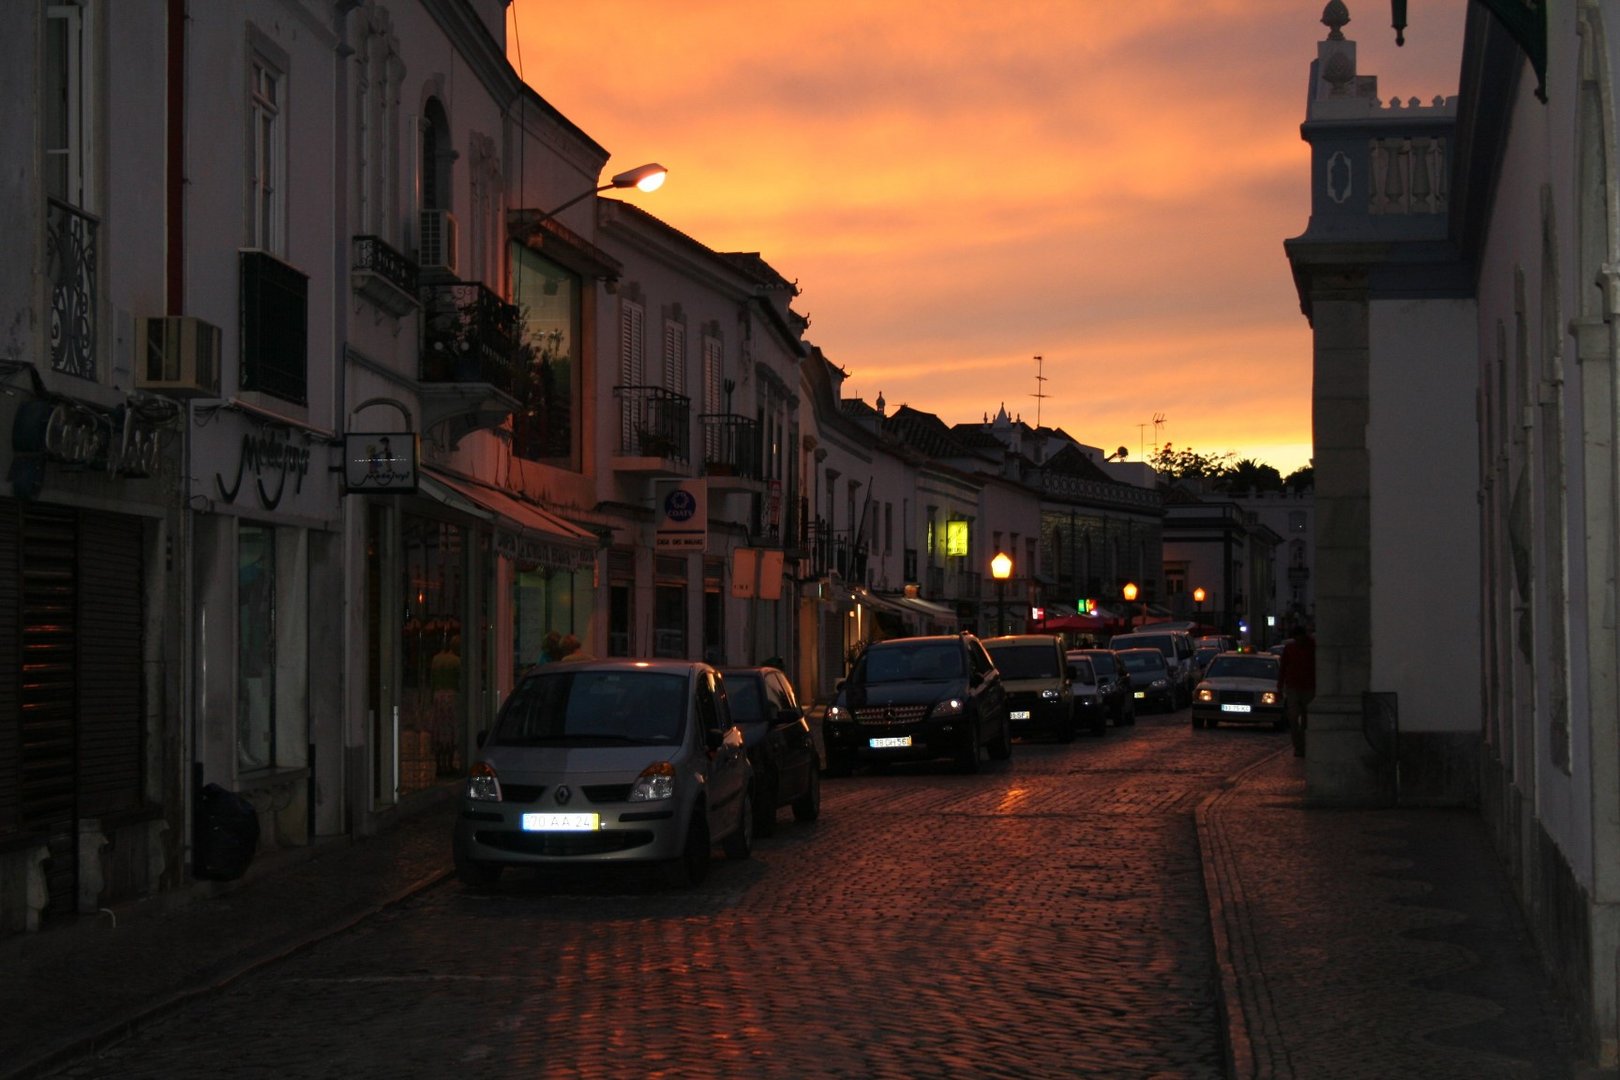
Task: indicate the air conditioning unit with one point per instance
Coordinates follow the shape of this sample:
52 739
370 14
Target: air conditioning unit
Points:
437 242
177 355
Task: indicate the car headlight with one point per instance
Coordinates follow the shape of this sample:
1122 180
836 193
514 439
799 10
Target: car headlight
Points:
948 707
1159 684
837 714
482 783
1050 695
657 781
1268 697
1205 694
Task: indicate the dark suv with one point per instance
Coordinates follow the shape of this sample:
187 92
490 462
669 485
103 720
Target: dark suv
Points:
918 698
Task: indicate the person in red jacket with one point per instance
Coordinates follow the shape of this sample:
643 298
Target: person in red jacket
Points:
1296 678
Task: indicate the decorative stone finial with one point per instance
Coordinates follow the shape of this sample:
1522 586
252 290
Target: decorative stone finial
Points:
1335 16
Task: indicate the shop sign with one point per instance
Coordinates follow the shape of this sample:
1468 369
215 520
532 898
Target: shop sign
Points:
683 515
269 456
380 463
75 434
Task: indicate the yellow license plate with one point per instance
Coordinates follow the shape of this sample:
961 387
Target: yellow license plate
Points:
559 822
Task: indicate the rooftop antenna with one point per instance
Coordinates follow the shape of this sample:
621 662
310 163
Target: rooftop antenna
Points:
1158 422
1040 391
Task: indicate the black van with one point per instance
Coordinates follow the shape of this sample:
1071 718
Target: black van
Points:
1177 647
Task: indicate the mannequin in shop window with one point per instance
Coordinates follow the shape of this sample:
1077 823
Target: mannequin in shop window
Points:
445 676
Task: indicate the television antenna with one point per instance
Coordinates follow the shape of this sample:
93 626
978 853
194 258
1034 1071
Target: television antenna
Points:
1158 423
1040 391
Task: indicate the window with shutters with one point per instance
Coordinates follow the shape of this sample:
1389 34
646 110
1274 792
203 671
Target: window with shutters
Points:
67 103
632 342
675 355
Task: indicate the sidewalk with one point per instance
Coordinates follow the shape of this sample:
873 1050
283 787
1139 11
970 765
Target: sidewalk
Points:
65 990
1369 942
1350 943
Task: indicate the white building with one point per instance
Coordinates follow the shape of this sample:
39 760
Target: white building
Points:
1459 273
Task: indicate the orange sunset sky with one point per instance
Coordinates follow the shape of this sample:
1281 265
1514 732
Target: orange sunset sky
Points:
959 187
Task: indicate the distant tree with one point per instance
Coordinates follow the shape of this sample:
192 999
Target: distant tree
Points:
1249 477
1301 479
1188 464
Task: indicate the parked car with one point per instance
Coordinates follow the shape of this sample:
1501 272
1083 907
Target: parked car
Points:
1239 687
1112 683
1219 642
608 761
784 744
1150 678
1202 655
1177 648
919 698
1037 675
1089 710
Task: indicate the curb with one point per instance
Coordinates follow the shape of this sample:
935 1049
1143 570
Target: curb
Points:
1232 935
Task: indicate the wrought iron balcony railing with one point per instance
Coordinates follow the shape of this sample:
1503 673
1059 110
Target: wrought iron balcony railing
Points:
730 445
469 335
383 275
72 257
654 422
835 550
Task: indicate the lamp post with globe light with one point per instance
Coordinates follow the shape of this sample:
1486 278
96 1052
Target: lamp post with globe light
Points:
1198 598
1001 568
1129 592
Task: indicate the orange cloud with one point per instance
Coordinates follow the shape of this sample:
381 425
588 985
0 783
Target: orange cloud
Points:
957 188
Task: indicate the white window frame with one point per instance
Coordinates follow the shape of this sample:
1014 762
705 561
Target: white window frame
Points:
75 142
267 148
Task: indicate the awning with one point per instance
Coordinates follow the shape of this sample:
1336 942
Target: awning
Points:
524 532
937 614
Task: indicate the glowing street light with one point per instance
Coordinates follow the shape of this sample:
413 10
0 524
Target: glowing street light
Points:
1198 598
649 177
1129 593
1001 568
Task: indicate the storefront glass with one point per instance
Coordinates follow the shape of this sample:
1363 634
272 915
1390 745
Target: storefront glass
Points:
256 647
432 724
542 606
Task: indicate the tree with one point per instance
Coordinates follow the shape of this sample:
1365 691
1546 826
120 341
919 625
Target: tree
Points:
1301 479
1249 477
1188 464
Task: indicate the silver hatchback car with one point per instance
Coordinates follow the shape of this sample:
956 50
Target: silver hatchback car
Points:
612 761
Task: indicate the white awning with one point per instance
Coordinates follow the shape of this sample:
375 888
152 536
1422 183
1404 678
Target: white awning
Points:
523 532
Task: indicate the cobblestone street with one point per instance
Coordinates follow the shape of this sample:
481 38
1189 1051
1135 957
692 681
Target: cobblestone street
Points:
1043 918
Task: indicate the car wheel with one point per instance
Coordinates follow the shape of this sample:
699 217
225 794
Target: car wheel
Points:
807 807
1067 729
1099 726
1001 745
479 875
765 809
692 865
1129 716
740 844
840 764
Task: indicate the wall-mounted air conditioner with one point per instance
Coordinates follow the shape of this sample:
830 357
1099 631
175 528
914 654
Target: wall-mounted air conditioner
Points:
437 242
177 355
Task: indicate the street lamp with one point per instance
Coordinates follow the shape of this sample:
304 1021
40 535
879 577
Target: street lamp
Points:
1129 592
649 177
1198 598
1001 568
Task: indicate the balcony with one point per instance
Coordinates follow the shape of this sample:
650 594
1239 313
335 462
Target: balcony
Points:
471 352
383 276
72 258
655 435
730 451
835 551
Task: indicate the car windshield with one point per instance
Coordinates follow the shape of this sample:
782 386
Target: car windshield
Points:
747 702
1103 662
593 708
1163 642
1026 661
910 663
1083 671
1142 661
1243 667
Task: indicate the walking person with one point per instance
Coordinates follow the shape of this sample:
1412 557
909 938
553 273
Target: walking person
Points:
1296 678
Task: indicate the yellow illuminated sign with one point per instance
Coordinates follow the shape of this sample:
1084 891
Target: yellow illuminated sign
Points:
956 538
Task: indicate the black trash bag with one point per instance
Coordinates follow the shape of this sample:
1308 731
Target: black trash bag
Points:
227 834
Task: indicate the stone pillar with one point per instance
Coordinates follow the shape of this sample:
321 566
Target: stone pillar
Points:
1341 768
